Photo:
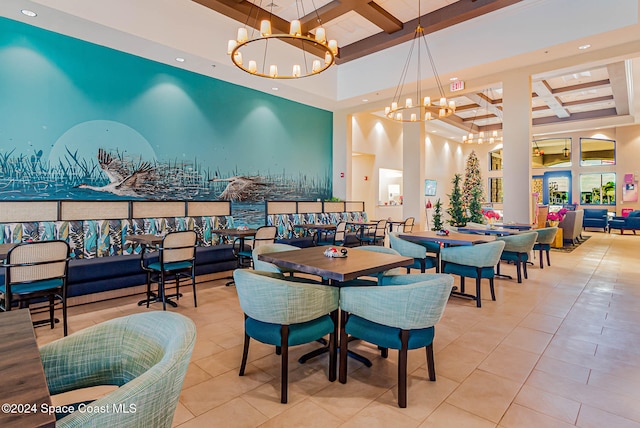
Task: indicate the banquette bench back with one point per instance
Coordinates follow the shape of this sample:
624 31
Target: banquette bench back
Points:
285 214
98 228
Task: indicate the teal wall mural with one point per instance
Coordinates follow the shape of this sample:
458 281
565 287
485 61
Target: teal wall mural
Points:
81 121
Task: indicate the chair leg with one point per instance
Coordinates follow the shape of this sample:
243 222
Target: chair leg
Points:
284 376
64 311
177 286
430 362
542 264
52 302
402 369
148 288
333 354
193 284
524 267
161 291
423 265
548 259
478 291
245 353
384 352
519 271
278 350
462 284
344 348
492 289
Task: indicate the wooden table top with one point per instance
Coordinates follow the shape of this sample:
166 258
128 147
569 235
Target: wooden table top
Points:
145 239
235 232
453 238
498 231
316 226
357 263
518 226
23 380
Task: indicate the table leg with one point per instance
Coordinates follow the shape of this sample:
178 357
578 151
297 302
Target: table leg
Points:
240 248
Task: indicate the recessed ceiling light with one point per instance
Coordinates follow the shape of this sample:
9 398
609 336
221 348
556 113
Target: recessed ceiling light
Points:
583 47
453 79
29 13
180 59
365 100
274 89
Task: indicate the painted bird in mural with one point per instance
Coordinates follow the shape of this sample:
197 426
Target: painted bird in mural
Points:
124 179
241 188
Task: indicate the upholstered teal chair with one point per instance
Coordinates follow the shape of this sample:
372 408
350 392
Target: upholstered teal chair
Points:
400 316
546 236
418 252
146 355
476 261
270 248
284 313
516 250
380 276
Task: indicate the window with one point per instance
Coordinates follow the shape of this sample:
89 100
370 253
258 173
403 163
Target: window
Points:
495 160
598 189
551 153
595 151
495 189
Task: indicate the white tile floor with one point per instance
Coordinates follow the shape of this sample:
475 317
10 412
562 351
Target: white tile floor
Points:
560 349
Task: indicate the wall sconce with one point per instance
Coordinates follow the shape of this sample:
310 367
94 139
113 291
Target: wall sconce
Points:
566 151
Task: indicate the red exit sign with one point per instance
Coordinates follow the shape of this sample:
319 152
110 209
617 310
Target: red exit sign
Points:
456 85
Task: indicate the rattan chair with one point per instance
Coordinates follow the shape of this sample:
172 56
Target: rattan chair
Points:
177 259
36 271
374 235
264 235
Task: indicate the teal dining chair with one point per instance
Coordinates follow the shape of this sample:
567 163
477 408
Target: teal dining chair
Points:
285 313
401 316
474 261
418 252
546 236
516 250
270 248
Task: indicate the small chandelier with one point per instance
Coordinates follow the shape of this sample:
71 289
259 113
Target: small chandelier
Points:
481 137
536 150
566 152
418 107
316 53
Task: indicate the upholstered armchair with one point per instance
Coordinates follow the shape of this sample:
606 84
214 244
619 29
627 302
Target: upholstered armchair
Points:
546 236
418 252
380 276
400 316
474 261
284 313
146 355
595 218
270 248
516 250
571 225
631 222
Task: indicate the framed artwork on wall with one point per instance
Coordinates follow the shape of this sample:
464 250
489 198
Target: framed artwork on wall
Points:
430 187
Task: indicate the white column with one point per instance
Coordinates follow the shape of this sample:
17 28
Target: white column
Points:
342 142
413 149
516 95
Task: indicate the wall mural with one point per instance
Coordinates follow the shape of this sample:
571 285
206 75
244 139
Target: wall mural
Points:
71 128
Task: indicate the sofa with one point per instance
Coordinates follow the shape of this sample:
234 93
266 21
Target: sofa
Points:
571 226
103 260
595 218
630 222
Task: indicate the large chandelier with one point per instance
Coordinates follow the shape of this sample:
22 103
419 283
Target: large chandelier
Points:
418 107
250 51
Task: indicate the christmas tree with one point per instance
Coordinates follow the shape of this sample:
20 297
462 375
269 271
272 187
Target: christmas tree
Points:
437 216
472 182
456 207
475 207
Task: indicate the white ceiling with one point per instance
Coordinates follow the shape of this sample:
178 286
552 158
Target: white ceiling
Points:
538 36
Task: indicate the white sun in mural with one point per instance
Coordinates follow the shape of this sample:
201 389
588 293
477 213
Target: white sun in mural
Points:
84 140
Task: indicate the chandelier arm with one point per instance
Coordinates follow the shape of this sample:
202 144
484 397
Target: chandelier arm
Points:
403 75
433 65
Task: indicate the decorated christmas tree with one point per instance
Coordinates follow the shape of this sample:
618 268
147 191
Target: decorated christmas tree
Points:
472 182
456 207
437 216
475 207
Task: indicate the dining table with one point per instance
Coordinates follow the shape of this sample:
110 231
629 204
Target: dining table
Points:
452 238
237 233
498 231
337 270
24 393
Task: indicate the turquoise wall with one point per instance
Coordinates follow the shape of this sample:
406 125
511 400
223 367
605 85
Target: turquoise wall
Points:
63 98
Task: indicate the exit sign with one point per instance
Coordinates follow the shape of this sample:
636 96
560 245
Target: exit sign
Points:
456 85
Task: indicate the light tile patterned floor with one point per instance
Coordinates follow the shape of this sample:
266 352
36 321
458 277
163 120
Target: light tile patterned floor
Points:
560 349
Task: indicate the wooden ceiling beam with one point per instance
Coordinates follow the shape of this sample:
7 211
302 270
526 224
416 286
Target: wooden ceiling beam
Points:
447 16
380 17
244 11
